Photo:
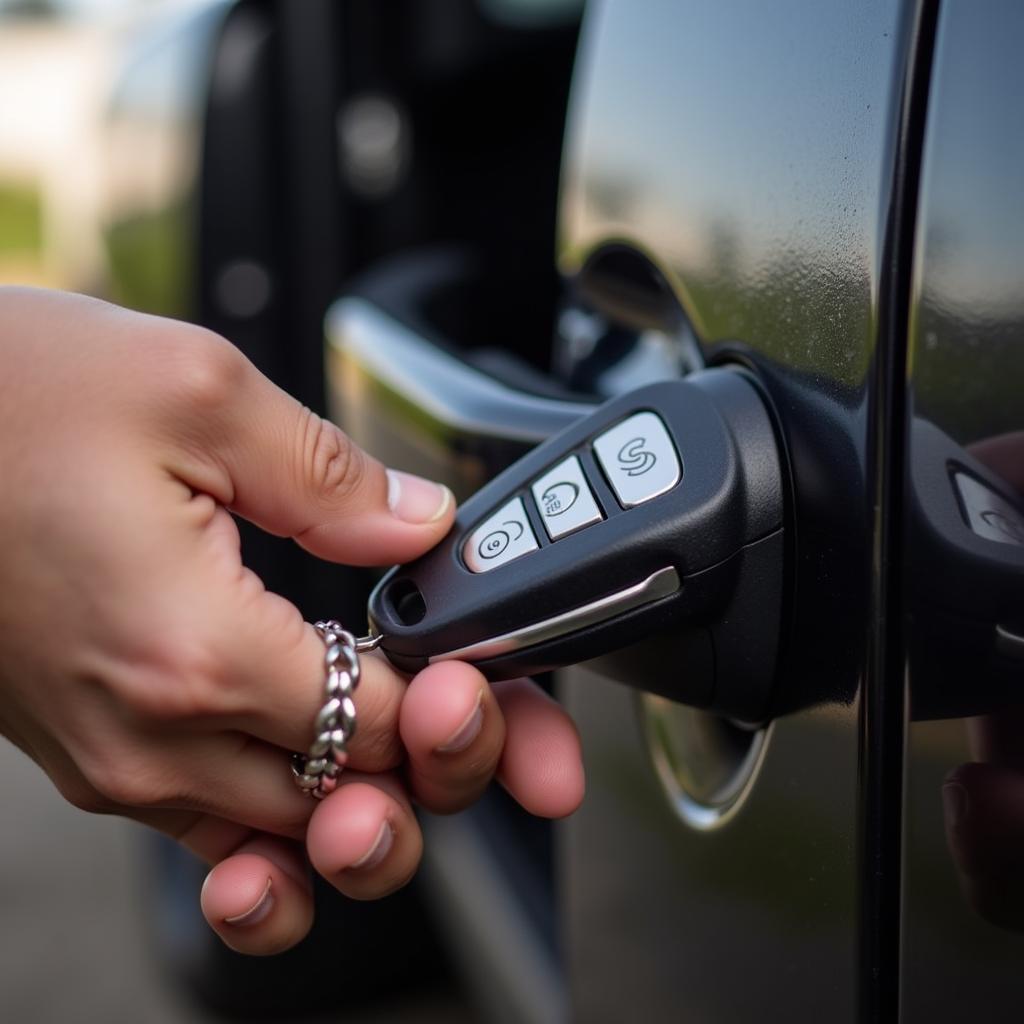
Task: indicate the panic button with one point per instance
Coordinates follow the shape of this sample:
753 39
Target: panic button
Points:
497 540
564 500
638 458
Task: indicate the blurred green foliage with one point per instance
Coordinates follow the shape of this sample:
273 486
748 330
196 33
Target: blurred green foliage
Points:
21 220
149 261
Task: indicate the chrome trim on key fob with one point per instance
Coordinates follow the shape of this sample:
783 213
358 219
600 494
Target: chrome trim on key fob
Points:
658 585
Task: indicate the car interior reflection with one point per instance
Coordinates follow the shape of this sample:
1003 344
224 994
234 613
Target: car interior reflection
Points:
983 799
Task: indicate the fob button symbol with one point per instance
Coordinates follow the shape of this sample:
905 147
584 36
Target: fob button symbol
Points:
635 458
988 513
503 536
493 544
564 499
559 498
639 459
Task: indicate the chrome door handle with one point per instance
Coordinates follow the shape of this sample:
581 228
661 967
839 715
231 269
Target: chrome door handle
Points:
417 406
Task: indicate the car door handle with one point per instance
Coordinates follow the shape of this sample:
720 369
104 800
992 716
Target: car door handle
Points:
406 397
367 342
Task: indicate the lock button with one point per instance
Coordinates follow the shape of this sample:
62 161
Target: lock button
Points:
638 458
564 499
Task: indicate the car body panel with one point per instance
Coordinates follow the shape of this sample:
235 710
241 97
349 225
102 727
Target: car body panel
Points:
749 152
963 946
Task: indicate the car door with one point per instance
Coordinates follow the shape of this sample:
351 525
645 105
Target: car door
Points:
739 185
962 920
763 157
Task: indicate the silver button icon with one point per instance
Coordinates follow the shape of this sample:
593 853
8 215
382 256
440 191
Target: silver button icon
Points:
635 459
500 538
559 498
493 544
638 458
564 499
988 514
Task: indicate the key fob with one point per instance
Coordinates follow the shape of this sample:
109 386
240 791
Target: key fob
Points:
649 534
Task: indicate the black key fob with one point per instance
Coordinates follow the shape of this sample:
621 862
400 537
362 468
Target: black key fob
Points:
656 518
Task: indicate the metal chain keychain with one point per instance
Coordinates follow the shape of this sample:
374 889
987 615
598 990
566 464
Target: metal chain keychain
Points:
316 772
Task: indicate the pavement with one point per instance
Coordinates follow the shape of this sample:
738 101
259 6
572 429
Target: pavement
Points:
73 941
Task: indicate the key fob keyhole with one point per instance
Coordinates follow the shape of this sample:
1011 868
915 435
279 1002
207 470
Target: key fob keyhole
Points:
406 601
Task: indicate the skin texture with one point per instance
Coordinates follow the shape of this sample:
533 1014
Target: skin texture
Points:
151 675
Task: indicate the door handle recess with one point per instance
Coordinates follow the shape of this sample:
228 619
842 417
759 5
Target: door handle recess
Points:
370 348
397 387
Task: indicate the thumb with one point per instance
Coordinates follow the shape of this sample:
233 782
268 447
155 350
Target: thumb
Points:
262 454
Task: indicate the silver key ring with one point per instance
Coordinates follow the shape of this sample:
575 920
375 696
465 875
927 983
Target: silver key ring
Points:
316 772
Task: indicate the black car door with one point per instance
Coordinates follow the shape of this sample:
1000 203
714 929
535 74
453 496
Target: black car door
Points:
963 903
735 188
762 156
786 188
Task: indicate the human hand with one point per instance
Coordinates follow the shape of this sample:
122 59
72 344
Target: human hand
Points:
151 675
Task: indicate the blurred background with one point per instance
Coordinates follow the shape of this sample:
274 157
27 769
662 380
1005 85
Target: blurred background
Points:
241 163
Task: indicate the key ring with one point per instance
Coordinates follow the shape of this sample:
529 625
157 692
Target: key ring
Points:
316 772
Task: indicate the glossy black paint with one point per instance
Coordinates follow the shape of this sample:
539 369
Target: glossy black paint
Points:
962 896
883 703
752 153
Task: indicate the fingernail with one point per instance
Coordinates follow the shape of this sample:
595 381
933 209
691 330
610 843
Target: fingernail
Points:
467 732
415 500
954 799
257 912
380 849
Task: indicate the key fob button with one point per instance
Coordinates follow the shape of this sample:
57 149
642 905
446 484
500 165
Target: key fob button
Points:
564 499
499 539
638 458
988 514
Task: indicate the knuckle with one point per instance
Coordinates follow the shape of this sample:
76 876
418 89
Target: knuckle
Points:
208 370
180 680
80 794
122 779
335 466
